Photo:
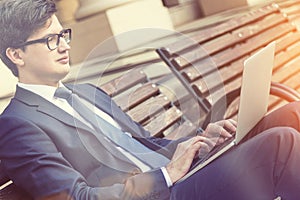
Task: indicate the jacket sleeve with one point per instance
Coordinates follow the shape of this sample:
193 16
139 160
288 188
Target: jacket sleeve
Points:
32 161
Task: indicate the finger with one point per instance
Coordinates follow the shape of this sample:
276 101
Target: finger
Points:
186 144
198 138
186 149
210 142
217 130
194 150
194 142
230 125
233 122
206 145
203 150
221 140
204 142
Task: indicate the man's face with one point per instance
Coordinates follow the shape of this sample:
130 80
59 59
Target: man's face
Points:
41 65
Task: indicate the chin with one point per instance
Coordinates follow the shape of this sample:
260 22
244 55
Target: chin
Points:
64 72
66 67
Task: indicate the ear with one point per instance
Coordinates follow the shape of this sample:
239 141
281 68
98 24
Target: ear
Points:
15 56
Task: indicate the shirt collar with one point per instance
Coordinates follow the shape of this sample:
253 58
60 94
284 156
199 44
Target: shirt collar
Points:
44 91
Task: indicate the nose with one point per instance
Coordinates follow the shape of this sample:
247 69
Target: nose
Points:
63 45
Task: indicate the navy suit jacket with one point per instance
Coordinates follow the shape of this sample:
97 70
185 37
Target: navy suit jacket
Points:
44 150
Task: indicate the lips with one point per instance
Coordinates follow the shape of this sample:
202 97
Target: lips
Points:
64 60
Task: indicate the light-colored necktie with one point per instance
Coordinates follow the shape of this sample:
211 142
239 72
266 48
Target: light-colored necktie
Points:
115 135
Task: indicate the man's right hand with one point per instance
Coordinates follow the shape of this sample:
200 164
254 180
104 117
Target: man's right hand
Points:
198 145
184 156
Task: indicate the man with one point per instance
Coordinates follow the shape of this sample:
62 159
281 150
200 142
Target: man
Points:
52 151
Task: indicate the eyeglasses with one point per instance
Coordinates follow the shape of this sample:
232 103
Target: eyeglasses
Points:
51 40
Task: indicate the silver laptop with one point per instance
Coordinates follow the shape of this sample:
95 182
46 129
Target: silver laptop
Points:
254 98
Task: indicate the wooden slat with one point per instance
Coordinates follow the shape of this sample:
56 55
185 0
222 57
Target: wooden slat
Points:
285 4
287 40
292 52
149 108
124 82
243 33
137 96
293 81
164 121
287 71
291 9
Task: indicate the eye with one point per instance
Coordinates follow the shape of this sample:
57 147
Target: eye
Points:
64 35
52 41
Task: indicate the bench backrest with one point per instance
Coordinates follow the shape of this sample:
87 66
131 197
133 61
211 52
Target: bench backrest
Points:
210 62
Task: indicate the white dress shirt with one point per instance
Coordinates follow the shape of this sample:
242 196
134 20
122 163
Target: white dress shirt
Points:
47 92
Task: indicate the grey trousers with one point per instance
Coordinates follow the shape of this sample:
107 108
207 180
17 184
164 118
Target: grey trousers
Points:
264 166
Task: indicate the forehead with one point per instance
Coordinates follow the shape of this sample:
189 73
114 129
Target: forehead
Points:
51 27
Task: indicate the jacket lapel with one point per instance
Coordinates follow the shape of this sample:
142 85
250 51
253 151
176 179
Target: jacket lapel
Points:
111 158
47 108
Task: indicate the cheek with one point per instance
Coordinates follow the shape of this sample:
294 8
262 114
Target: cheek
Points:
44 59
37 55
39 62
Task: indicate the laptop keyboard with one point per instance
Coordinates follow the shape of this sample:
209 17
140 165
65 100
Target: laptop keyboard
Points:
213 151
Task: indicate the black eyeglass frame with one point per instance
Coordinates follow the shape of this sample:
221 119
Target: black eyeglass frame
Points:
46 39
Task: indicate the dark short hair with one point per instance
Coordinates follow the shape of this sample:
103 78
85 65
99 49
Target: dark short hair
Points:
19 19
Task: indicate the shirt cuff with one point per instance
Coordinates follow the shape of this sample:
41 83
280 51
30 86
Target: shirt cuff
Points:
167 177
199 131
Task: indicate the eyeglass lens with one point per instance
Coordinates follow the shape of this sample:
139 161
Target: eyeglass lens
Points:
54 40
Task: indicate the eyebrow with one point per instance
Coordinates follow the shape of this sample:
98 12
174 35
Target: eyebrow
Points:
51 34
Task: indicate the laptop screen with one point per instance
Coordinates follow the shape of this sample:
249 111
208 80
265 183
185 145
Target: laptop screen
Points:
255 89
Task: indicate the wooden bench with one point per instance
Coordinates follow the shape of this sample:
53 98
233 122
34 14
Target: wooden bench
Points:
209 62
144 101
